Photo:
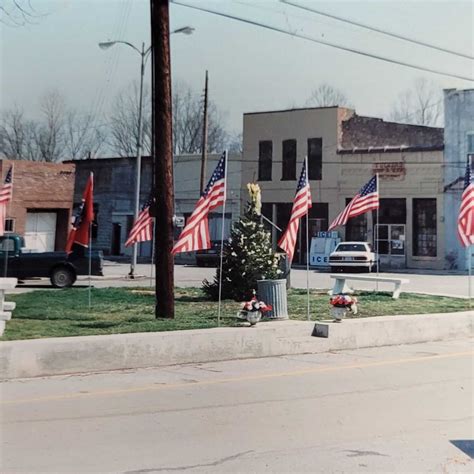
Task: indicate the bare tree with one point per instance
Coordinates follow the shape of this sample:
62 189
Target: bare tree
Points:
82 138
124 121
15 13
326 95
59 133
18 136
187 122
235 143
50 132
188 109
420 105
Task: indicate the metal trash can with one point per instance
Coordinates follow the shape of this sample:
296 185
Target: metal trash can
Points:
274 292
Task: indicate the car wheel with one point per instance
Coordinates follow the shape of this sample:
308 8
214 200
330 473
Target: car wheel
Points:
62 277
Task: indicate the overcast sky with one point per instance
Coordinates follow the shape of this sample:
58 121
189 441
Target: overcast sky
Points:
250 68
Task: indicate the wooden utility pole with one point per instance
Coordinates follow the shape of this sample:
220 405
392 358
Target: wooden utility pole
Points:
204 140
163 158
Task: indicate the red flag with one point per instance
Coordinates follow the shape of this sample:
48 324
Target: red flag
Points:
80 232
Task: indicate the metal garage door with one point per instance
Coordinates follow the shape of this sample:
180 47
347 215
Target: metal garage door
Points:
40 231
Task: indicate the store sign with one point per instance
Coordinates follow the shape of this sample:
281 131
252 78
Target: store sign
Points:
390 170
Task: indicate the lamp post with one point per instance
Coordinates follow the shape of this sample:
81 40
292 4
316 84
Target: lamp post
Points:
187 30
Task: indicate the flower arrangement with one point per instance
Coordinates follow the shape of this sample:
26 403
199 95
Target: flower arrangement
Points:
253 310
255 305
344 301
341 304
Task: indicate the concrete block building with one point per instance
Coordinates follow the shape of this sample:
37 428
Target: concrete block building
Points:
344 151
459 147
42 202
114 197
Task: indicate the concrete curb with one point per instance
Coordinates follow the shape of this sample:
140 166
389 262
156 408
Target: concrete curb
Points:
69 355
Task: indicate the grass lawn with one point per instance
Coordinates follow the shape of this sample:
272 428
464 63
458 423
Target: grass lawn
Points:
57 313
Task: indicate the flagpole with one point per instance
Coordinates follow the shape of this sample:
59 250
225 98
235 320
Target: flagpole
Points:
5 267
377 256
152 252
307 246
222 239
469 264
90 248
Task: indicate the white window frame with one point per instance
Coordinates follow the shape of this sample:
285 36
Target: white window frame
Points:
13 221
469 134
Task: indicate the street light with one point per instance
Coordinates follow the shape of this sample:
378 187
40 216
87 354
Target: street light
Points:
187 30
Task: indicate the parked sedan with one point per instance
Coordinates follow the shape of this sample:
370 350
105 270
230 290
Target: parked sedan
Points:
356 255
209 257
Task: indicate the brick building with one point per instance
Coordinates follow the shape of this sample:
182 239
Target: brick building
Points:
42 202
344 151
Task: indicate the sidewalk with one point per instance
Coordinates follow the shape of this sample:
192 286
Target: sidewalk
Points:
69 355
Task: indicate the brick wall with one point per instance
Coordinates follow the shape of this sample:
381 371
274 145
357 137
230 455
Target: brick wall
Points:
364 132
41 187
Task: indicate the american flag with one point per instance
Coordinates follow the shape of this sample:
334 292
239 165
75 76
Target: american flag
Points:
195 235
5 197
142 229
466 211
366 200
301 206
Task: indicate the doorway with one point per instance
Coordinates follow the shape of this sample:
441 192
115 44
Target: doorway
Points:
40 231
390 241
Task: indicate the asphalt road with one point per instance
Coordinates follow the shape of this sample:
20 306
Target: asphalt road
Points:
394 409
438 283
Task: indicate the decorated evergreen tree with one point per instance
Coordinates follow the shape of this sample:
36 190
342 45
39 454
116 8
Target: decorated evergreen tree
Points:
247 256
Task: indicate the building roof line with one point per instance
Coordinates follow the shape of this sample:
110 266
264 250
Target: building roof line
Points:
297 109
387 149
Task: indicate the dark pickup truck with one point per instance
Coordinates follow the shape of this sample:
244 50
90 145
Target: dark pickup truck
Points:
62 269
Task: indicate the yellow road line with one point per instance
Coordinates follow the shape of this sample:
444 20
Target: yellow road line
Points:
294 373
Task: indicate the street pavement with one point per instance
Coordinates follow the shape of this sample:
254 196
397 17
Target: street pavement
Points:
449 284
115 275
394 409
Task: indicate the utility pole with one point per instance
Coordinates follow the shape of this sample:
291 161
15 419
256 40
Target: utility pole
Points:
163 158
204 140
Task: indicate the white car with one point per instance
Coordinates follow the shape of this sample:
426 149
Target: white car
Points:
348 255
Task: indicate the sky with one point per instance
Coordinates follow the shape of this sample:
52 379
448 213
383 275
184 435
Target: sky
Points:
250 68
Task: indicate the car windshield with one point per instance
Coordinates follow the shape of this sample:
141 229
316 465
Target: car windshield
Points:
351 248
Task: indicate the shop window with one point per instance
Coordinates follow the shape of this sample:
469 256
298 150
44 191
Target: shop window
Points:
267 211
9 225
289 160
315 158
470 142
265 152
424 228
356 227
391 211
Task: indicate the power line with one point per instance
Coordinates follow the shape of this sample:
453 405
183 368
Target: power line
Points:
325 43
377 30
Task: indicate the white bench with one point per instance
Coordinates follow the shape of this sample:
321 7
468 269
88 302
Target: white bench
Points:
6 307
340 285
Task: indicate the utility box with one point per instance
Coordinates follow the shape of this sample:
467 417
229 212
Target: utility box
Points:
321 247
